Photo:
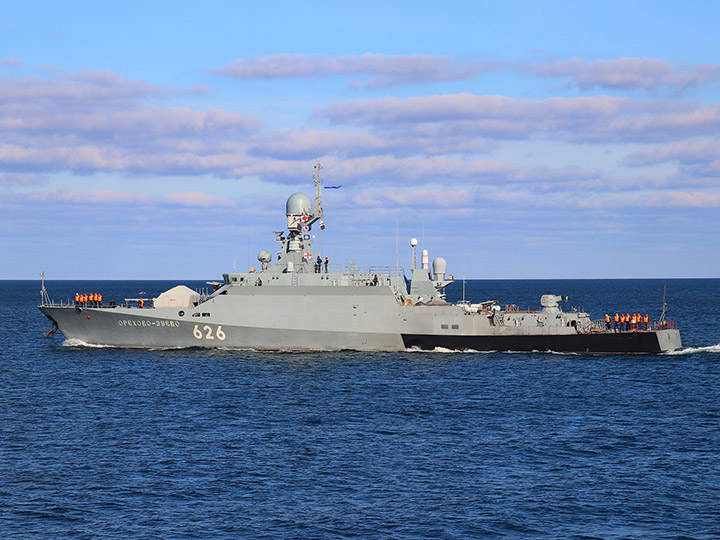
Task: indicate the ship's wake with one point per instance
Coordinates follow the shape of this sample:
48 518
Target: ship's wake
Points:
696 350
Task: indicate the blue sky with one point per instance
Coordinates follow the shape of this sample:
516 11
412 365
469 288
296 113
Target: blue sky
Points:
160 141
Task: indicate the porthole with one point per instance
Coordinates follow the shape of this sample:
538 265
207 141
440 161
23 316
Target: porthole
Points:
181 313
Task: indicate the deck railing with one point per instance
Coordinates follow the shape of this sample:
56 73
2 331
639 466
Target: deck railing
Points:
357 270
203 295
600 325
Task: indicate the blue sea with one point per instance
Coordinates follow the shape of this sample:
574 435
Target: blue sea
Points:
103 443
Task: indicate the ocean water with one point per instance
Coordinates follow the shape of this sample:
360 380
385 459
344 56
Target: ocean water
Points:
112 443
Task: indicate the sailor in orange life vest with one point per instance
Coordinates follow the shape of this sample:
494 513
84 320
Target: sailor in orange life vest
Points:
607 322
142 303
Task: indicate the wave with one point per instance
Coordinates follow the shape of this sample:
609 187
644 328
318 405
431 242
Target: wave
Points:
695 350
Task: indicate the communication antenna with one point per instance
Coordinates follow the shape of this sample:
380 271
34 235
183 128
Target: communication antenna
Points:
397 253
318 179
44 298
664 309
464 241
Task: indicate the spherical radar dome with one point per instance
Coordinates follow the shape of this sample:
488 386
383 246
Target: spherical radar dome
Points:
439 266
298 203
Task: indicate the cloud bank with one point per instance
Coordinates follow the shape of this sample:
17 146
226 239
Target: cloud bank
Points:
391 70
382 70
88 122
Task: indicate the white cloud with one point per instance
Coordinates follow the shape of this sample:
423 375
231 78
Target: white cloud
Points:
626 73
384 70
123 198
388 70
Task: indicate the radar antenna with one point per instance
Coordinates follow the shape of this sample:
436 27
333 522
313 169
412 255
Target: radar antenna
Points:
318 179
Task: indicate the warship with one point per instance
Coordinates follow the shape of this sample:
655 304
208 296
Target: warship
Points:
297 302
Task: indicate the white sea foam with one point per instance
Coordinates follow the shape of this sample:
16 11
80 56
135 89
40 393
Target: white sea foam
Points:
72 342
443 350
695 350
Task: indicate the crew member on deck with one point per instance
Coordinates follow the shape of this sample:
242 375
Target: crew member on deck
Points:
646 320
608 324
141 303
318 264
327 261
617 321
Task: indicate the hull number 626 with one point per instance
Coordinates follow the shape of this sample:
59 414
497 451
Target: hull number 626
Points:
206 332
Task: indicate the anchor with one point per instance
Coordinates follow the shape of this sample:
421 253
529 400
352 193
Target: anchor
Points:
52 330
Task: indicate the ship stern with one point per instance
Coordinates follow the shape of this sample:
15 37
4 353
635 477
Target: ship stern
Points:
669 340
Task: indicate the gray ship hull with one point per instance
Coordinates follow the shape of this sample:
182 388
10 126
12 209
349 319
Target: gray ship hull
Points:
398 329
263 318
